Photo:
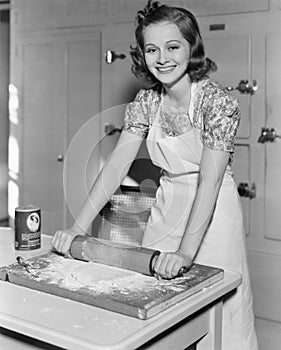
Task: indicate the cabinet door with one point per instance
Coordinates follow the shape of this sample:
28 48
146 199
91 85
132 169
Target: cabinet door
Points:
233 68
249 51
81 106
38 15
30 15
36 132
57 81
218 7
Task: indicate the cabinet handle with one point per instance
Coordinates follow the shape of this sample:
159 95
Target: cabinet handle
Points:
111 129
111 56
245 190
60 158
268 135
244 87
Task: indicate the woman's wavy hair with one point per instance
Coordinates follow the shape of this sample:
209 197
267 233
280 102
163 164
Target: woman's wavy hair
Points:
198 67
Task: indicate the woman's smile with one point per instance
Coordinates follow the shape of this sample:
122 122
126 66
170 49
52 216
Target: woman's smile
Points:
165 70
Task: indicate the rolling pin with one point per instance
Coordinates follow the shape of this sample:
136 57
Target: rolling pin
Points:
106 252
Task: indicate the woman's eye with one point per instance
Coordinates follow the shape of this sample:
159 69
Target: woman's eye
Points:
150 50
172 48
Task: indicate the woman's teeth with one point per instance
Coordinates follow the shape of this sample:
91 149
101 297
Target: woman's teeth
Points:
165 69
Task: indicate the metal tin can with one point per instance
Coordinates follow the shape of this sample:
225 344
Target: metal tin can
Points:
27 228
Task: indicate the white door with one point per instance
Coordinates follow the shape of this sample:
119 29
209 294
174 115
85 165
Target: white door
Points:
232 69
56 79
248 48
79 105
36 142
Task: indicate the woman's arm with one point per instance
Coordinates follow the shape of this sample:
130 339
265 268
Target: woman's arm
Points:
212 169
213 165
107 182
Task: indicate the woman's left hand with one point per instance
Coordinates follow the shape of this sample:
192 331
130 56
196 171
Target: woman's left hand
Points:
168 265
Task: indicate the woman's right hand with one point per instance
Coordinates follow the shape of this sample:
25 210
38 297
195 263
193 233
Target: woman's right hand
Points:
62 239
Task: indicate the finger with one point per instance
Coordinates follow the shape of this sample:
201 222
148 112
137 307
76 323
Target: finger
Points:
160 268
177 270
169 268
157 263
158 277
67 243
153 263
65 246
58 241
55 242
62 243
173 269
173 265
162 263
54 238
58 236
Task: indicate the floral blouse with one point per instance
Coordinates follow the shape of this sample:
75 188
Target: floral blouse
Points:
215 114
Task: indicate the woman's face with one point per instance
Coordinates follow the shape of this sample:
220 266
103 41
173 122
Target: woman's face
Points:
166 52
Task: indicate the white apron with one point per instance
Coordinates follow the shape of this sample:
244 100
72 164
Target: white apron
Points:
223 244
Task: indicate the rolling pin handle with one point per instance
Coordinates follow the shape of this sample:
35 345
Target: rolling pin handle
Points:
182 271
151 269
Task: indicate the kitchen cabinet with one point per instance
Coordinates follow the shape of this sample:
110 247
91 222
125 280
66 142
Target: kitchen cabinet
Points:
222 7
248 47
36 15
56 79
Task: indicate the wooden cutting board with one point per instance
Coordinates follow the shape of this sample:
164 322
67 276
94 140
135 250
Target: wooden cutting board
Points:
108 287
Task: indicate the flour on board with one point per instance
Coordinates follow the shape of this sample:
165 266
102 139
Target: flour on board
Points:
99 278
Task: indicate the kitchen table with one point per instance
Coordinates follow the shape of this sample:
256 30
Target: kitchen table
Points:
55 322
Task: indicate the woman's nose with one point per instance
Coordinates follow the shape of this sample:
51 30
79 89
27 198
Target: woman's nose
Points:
162 57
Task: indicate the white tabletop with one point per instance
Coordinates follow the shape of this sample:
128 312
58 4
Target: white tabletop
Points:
74 325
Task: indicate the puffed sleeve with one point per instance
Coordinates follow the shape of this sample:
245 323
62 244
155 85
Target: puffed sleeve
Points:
221 117
138 113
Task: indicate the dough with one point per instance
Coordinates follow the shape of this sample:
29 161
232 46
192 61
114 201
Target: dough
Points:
93 273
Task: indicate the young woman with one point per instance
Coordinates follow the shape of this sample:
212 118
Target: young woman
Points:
190 123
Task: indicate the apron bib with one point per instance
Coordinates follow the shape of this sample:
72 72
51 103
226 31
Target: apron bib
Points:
179 159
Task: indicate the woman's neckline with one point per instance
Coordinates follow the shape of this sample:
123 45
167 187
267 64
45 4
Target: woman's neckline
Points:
174 106
178 109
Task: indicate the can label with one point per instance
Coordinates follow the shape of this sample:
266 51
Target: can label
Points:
27 228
